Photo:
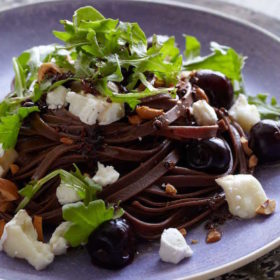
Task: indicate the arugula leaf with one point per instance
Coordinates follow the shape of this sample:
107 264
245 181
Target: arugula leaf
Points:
268 110
222 59
85 219
20 84
26 67
86 13
84 185
104 47
192 48
10 123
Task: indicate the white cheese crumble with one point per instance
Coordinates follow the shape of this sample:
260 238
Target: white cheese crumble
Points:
19 240
66 194
244 194
203 113
173 246
56 98
91 109
105 175
57 242
245 114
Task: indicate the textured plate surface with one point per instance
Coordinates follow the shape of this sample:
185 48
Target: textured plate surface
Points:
242 241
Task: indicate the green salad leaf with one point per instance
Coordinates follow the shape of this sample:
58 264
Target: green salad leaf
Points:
192 47
10 123
222 59
105 47
85 219
268 110
85 186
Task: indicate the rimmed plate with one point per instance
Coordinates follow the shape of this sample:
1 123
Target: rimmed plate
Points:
243 241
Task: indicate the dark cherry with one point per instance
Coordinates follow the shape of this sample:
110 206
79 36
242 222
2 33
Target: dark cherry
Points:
264 140
112 245
217 87
208 155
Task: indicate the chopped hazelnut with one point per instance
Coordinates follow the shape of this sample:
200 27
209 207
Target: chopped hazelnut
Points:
267 208
14 168
2 225
194 241
200 94
147 113
66 141
183 231
245 146
253 161
47 68
134 119
213 236
38 225
169 189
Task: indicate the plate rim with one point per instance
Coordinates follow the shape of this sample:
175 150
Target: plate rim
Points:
240 262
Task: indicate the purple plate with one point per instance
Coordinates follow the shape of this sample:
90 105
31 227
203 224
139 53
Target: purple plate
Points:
243 241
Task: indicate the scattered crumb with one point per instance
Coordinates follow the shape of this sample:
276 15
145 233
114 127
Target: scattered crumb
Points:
253 161
14 168
267 208
66 141
170 189
194 241
183 231
213 236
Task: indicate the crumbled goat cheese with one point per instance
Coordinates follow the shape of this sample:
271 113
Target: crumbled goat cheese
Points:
111 112
173 246
91 109
56 98
245 114
19 240
58 243
203 113
105 175
66 194
244 194
6 160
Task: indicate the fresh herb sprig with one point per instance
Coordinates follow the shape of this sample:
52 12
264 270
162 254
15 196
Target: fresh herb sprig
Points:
85 219
85 186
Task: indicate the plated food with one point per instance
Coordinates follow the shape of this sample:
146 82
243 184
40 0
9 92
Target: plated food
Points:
146 131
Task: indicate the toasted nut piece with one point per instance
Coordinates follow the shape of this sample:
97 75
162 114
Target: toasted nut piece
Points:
147 113
213 236
200 94
38 225
245 146
8 190
169 189
66 141
194 241
267 208
183 231
7 159
253 161
2 225
134 119
14 168
46 68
